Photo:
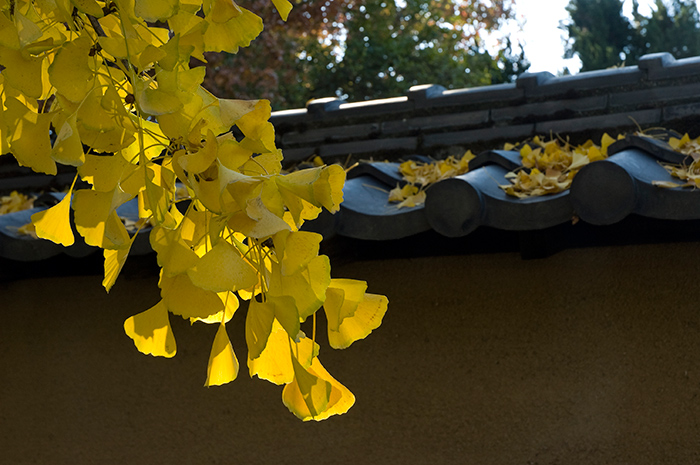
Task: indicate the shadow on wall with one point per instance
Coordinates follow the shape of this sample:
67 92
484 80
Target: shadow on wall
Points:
589 356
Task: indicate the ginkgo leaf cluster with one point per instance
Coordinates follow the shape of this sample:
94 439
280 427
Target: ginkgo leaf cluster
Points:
689 173
112 82
421 175
549 166
15 202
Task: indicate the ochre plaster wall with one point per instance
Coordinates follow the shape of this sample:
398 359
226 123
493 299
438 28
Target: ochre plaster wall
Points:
591 356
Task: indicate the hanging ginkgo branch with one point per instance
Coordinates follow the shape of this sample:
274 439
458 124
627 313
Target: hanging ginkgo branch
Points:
113 80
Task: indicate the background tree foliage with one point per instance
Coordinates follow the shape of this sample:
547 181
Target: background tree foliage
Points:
371 49
602 36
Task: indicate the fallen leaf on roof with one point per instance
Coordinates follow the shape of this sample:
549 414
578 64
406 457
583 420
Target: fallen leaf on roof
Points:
419 176
549 166
688 173
15 202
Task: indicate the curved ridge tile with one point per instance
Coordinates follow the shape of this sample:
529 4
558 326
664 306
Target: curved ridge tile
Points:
607 191
455 210
655 147
20 247
387 172
604 192
508 159
366 213
454 207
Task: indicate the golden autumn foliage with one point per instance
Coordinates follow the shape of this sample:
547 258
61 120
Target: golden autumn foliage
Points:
549 166
688 173
420 175
112 80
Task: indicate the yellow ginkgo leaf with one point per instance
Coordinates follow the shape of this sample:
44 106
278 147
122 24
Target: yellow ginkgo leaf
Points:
96 218
29 137
315 394
28 32
23 73
275 362
69 73
223 269
114 260
367 317
187 300
223 364
296 249
68 148
9 36
221 11
307 286
54 224
307 395
237 32
155 101
286 313
105 172
257 221
173 255
199 161
258 325
232 110
328 189
231 305
283 8
342 298
89 7
155 10
151 332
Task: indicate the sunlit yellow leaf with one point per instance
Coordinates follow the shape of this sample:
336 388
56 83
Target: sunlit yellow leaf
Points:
221 11
342 298
286 313
307 286
283 8
231 305
105 172
8 34
27 31
187 300
296 249
352 314
23 73
155 101
223 364
68 148
257 221
69 73
199 161
315 394
29 137
173 255
258 325
233 110
89 7
237 32
319 186
155 10
114 260
96 218
223 269
307 395
54 224
367 317
275 362
151 331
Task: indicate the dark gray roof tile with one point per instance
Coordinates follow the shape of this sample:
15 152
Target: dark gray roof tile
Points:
366 213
